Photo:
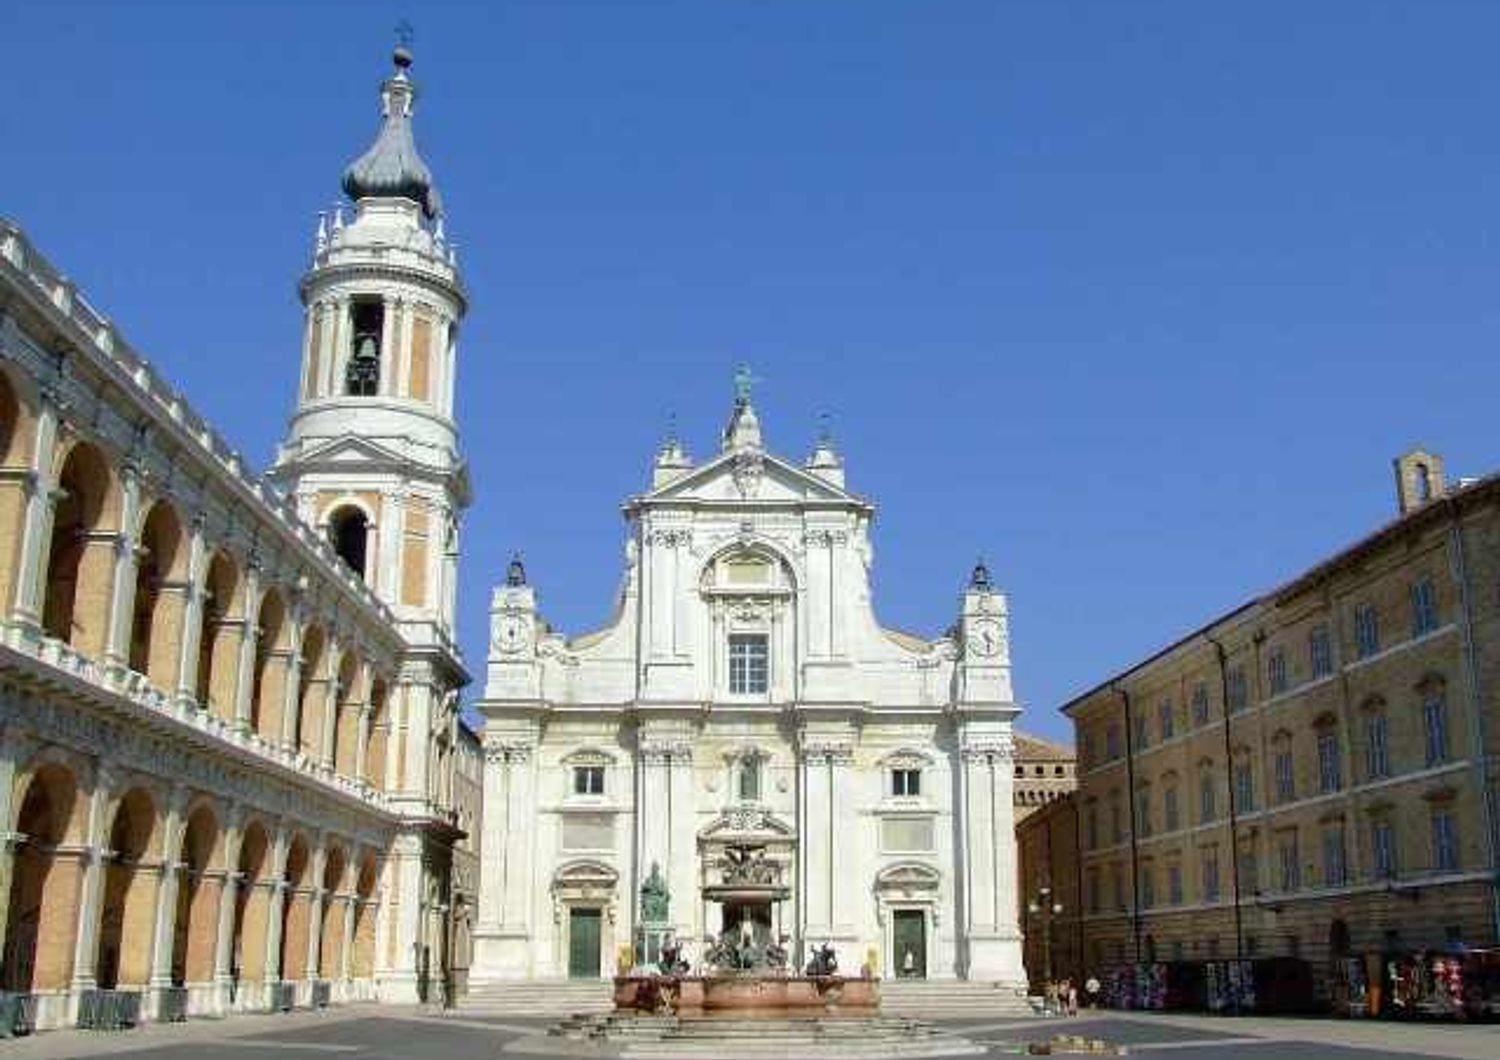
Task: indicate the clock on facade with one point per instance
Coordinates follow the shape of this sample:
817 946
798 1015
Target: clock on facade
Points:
510 633
984 637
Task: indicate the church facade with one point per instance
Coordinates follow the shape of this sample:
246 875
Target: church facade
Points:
744 754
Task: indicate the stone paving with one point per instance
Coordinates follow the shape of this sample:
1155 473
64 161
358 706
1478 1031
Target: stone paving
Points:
388 1033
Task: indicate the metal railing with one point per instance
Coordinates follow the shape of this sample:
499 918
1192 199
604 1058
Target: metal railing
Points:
322 993
283 996
17 1014
109 1010
173 1004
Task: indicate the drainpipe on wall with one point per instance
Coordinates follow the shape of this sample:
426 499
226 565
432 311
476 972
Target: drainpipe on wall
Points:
1234 838
1476 711
1135 859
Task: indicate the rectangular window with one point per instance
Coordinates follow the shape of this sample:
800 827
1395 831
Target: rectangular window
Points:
1200 704
1366 630
1211 875
1286 775
1444 842
1170 815
1383 845
1249 872
1377 754
1143 812
1330 776
1093 826
1174 884
1168 721
1094 899
1424 616
362 369
1244 787
906 782
1112 742
1291 868
1276 671
1142 734
749 664
1117 883
1148 888
1435 726
588 780
1088 750
1239 689
1320 651
1335 866
1206 808
1116 819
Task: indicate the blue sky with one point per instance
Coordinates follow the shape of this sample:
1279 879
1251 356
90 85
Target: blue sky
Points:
1136 299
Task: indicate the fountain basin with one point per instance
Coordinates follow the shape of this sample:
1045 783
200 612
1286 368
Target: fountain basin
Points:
741 996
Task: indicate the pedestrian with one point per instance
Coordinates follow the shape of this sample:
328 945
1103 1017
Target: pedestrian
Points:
1072 998
1092 987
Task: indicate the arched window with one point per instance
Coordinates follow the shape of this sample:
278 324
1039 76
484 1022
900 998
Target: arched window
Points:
362 373
348 532
1424 484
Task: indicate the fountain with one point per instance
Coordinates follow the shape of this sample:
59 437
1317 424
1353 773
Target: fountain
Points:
744 970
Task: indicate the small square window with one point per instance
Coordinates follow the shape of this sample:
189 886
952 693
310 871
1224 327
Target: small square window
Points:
588 780
906 782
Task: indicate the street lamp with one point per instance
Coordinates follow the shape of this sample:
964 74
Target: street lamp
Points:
1043 905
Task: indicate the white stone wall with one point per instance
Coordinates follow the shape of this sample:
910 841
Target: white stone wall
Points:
750 543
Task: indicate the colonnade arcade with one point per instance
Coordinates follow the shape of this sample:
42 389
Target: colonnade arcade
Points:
96 565
120 880
159 587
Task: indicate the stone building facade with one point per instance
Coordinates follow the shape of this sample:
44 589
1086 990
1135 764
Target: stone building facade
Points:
1051 887
1315 772
228 704
744 751
1045 771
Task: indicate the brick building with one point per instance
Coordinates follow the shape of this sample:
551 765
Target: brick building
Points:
1313 773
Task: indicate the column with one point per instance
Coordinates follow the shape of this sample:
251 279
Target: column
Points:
121 607
186 685
91 859
244 685
15 748
224 966
291 701
991 927
275 900
316 896
36 527
164 929
503 937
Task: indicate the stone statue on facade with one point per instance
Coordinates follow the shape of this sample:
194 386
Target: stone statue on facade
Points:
655 898
671 961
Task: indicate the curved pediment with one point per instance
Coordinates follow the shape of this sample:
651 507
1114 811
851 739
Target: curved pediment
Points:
747 822
908 876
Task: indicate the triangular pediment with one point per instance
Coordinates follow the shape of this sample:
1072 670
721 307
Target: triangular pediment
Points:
348 449
750 477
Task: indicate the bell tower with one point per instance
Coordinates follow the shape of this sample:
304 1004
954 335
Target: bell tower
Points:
371 459
371 455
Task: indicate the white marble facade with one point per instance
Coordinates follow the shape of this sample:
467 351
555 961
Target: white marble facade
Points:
745 694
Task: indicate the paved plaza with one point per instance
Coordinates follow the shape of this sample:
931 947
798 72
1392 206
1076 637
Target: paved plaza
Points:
389 1033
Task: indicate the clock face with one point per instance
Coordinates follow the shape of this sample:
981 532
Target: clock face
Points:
510 633
984 637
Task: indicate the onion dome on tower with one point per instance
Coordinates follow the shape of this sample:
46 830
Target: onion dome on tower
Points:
392 168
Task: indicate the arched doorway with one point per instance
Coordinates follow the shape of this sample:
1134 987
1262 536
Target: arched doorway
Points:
218 644
312 692
160 598
272 654
349 533
195 929
128 908
78 557
252 903
296 910
43 900
362 963
333 915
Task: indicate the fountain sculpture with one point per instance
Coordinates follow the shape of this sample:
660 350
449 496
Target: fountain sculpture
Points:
744 970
